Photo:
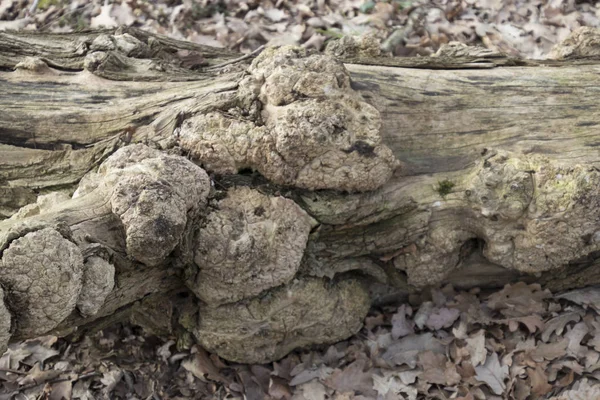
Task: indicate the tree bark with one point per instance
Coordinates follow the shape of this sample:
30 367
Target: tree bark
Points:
238 194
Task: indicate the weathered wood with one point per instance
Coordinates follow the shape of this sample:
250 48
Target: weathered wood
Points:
496 177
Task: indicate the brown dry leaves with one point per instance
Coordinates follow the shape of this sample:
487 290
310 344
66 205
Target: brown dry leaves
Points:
444 344
405 27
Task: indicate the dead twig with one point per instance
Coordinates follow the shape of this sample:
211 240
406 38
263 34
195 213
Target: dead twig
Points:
33 7
57 380
13 371
236 60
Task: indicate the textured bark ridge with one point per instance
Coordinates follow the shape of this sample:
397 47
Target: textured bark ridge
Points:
260 205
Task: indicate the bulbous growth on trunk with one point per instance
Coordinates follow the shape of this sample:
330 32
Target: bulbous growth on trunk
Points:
252 242
42 274
307 128
304 312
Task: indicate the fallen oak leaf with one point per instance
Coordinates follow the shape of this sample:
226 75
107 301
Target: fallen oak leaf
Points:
532 323
400 325
549 351
307 375
351 379
406 350
539 381
476 348
519 300
558 323
437 369
279 389
575 336
589 296
440 318
492 374
391 385
202 367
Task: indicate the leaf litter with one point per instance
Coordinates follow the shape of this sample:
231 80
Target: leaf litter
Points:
471 355
527 28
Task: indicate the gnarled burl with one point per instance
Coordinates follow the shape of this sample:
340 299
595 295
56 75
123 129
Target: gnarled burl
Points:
259 206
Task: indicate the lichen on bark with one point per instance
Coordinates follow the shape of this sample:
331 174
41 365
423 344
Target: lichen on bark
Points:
527 213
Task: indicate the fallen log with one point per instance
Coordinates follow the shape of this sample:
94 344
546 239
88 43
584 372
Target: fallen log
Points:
262 205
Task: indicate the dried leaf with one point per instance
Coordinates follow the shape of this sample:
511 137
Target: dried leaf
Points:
476 348
313 390
493 374
423 314
322 372
575 337
202 367
405 350
104 19
558 323
550 351
391 384
442 318
539 381
519 300
279 389
400 325
588 296
437 369
353 378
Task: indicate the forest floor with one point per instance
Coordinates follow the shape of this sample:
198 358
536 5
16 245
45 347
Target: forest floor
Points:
518 342
405 27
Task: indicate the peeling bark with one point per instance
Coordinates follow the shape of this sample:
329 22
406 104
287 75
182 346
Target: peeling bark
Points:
264 200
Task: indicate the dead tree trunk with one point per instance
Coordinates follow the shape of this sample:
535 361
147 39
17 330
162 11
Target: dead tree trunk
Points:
262 205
